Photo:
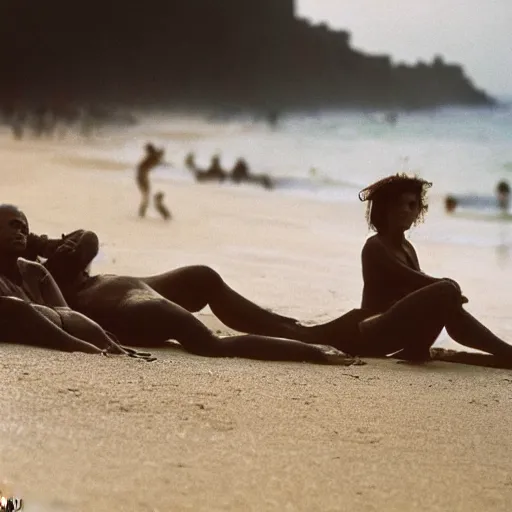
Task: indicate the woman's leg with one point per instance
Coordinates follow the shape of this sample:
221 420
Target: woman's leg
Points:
22 323
194 287
465 329
150 322
411 325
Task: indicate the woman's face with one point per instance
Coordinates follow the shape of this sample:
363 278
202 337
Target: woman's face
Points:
403 212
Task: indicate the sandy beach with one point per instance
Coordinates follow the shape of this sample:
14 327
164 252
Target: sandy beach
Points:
80 433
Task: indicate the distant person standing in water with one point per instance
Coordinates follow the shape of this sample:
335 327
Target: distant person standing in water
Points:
503 195
501 199
152 159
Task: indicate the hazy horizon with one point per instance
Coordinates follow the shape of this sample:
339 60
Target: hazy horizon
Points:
468 32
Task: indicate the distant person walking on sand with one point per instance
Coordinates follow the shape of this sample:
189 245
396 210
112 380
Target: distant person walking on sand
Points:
152 159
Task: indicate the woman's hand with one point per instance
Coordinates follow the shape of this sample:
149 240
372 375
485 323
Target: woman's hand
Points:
463 298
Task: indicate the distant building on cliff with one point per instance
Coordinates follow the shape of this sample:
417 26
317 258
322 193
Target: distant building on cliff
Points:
239 53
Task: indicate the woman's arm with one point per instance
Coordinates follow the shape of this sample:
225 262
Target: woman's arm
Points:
22 323
378 261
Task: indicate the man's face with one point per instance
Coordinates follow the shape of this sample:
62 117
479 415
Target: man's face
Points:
13 230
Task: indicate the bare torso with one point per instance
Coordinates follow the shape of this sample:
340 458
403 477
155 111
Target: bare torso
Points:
389 273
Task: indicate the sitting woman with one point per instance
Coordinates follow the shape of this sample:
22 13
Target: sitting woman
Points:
403 309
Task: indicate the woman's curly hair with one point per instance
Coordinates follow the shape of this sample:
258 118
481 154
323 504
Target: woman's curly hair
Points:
387 190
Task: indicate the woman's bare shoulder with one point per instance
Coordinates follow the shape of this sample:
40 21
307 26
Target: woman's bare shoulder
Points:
372 243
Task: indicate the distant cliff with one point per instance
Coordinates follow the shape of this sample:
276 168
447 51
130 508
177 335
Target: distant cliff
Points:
231 53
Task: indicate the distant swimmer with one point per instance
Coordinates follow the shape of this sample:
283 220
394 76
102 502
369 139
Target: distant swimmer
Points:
503 194
214 173
152 159
273 118
190 161
160 206
450 203
391 118
240 173
500 200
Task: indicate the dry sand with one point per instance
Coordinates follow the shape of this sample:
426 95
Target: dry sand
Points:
80 433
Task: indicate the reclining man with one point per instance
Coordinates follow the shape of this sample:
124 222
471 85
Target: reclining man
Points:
149 311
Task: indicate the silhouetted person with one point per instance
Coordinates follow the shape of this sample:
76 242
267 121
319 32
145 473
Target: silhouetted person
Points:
241 173
151 160
501 199
160 206
391 118
190 161
450 203
503 194
403 309
214 173
151 310
273 118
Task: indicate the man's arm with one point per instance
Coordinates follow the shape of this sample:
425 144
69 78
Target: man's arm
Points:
67 257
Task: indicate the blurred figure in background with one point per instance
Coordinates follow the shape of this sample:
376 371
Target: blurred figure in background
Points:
500 200
503 194
152 159
158 199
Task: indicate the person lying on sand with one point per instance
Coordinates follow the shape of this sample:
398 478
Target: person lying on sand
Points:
149 311
403 309
214 173
33 310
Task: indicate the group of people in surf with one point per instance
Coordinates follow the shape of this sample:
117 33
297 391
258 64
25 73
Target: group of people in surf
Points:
153 157
501 200
239 174
49 298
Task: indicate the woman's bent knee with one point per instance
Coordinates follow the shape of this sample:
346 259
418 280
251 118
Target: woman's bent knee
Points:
449 293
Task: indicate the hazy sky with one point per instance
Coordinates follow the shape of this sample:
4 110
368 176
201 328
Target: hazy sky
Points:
475 33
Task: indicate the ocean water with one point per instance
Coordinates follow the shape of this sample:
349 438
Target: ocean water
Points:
330 156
